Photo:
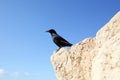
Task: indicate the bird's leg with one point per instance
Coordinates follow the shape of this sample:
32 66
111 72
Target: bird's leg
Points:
58 49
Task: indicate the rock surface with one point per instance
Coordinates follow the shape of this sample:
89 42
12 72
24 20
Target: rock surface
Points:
92 59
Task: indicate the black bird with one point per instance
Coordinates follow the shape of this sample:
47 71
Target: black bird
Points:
58 40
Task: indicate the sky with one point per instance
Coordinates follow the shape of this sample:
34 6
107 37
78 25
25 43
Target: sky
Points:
25 47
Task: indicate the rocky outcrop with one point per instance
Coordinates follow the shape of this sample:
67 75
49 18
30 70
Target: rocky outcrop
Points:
92 59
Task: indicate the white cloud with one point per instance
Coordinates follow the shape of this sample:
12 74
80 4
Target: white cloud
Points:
14 74
26 73
3 73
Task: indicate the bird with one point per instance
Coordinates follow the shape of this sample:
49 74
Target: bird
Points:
58 40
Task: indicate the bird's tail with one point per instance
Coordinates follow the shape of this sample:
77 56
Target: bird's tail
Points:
70 44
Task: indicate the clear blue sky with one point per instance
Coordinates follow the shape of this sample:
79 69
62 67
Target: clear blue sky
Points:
25 47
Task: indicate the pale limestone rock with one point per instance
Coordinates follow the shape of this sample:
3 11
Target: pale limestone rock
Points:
92 59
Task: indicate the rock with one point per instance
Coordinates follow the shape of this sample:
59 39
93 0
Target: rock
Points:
92 59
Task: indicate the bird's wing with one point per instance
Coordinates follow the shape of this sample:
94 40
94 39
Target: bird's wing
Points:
63 41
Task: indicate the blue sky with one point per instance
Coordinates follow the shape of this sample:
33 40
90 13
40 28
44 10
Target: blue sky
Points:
25 47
